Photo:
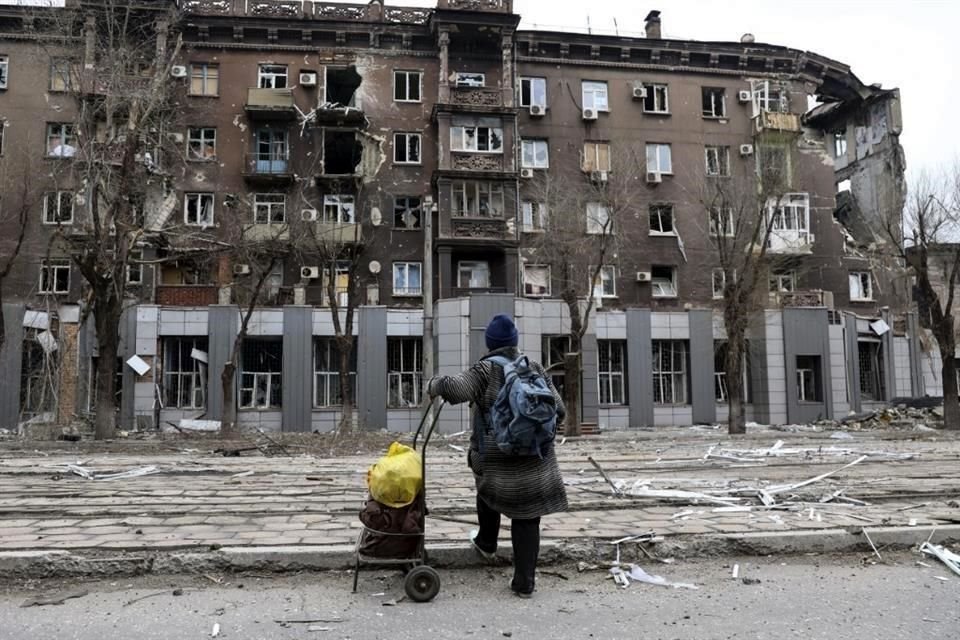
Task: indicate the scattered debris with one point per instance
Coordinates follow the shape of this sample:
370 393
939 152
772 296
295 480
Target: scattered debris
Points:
736 572
90 475
616 490
872 546
457 448
216 630
394 602
750 581
287 623
60 598
633 572
947 557
245 474
319 628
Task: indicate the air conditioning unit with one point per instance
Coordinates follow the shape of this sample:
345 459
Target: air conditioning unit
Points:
643 276
178 71
744 97
241 269
309 273
654 177
538 111
589 114
308 215
746 149
639 93
308 79
599 176
526 173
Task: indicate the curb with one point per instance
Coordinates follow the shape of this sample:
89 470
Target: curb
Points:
60 563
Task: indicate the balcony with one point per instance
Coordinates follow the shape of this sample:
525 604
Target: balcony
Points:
270 104
476 228
338 233
777 122
313 9
486 6
467 161
811 298
266 233
267 167
476 97
186 295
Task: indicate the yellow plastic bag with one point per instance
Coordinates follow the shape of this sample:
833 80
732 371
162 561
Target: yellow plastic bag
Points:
396 479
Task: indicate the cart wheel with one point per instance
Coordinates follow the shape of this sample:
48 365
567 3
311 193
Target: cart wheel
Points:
422 584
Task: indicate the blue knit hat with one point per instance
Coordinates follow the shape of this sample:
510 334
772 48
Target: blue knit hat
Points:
501 332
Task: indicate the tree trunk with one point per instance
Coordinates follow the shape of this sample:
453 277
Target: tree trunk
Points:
228 417
3 322
951 408
344 351
571 393
736 420
106 408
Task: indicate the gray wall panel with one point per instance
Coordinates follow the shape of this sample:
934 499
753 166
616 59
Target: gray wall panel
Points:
701 366
889 361
853 364
10 362
640 367
589 392
128 348
916 373
86 349
297 369
806 332
759 379
222 330
372 368
482 309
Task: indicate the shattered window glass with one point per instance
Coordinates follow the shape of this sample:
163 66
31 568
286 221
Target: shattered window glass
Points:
714 102
406 86
272 76
198 209
533 92
406 148
261 367
404 372
407 212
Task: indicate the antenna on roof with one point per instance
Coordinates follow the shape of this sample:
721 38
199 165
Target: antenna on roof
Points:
616 27
589 28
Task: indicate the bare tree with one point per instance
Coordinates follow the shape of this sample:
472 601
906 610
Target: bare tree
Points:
20 199
931 248
585 214
112 150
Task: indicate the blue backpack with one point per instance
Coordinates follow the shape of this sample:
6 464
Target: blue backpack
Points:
523 418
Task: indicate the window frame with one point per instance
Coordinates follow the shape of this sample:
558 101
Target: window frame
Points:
593 156
673 383
607 276
134 266
269 201
718 295
657 148
652 93
473 267
598 223
345 206
205 78
460 140
200 197
722 160
549 280
63 79
492 191
615 378
862 278
203 140
798 206
533 145
777 279
717 215
61 197
658 208
407 137
656 282
406 74
49 270
408 208
410 372
330 375
268 73
175 371
461 80
407 291
532 213
815 371
273 401
4 71
712 92
67 133
592 88
533 81
840 144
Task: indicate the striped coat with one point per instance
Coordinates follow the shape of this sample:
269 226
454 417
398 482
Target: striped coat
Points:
517 487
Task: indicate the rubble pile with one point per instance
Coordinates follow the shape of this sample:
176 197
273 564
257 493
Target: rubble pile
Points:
900 417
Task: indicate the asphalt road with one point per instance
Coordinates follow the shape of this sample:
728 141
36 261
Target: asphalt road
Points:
807 597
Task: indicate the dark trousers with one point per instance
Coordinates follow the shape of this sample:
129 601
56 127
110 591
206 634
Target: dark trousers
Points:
525 535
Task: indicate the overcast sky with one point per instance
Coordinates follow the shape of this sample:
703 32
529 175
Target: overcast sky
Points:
910 44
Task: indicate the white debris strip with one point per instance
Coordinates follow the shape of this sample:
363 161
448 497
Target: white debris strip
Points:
947 557
736 572
623 576
91 475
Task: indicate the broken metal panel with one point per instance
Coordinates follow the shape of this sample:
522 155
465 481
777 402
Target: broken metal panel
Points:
10 358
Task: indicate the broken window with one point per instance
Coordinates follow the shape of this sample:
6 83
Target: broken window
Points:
269 208
605 286
272 153
468 79
272 76
533 92
595 95
774 167
670 372
64 75
554 348
93 383
202 143
872 378
661 219
55 276
135 267
342 85
341 285
718 161
339 209
535 154
596 156
39 373
4 71
598 219
58 207
184 272
407 212
861 286
61 140
840 144
407 86
473 275
481 138
407 279
809 379
198 209
714 102
261 374
789 220
769 96
326 373
663 280
719 283
656 100
406 148
783 282
536 280
404 372
721 222
659 158
204 79
342 152
477 199
611 371
720 385
184 373
534 216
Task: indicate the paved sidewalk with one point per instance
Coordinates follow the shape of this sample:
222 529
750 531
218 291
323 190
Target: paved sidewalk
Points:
199 500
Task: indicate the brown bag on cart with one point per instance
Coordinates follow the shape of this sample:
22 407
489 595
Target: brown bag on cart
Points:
383 519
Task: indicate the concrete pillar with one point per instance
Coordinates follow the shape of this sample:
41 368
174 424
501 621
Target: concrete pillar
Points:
444 42
10 362
297 393
223 326
889 361
589 390
640 367
372 368
853 364
701 369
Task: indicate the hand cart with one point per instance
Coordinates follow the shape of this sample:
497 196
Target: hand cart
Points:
422 582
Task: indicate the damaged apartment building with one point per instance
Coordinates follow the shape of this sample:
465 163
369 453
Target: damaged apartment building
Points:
416 136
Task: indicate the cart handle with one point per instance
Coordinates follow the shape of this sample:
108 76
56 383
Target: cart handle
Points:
433 423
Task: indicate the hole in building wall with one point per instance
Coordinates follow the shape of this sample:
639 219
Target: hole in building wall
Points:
342 85
342 152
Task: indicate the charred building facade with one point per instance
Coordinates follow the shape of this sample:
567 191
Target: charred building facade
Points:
421 139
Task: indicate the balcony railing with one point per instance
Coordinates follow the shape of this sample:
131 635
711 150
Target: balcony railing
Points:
811 298
338 233
489 6
275 165
313 9
270 101
476 161
774 121
480 228
476 97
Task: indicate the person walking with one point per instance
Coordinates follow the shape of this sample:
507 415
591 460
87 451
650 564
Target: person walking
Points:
523 488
